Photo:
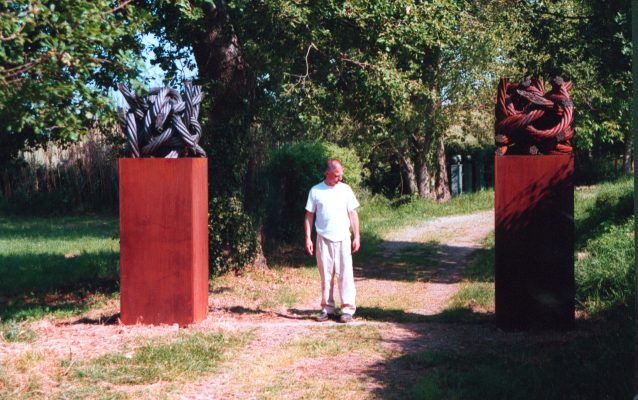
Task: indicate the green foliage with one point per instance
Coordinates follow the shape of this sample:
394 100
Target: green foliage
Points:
56 61
588 42
232 237
288 176
384 77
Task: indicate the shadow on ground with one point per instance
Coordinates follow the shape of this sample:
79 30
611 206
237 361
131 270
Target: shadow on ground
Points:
34 284
462 355
414 262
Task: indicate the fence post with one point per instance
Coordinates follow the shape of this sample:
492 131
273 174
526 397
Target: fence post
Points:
467 175
456 172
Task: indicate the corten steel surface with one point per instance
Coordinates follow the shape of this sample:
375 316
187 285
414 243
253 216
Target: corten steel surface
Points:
534 208
163 240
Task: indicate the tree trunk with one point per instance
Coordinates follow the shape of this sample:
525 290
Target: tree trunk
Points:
627 153
423 178
441 185
409 177
421 145
220 62
230 83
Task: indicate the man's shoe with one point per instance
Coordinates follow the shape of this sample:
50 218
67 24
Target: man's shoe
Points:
345 318
323 316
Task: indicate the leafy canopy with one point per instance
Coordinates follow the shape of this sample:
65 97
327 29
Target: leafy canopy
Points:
57 60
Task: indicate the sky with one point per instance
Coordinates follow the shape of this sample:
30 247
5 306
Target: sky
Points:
153 74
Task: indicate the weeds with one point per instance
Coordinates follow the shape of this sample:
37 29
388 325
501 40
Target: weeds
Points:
53 180
16 332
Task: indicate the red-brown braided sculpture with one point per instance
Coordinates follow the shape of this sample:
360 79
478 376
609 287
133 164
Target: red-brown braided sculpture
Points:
530 121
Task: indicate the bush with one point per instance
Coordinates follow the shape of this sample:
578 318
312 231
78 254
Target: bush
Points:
288 176
231 236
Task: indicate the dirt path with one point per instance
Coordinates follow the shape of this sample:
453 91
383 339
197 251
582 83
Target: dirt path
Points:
291 355
458 236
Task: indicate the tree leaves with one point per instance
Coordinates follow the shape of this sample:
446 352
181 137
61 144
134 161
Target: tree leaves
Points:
57 61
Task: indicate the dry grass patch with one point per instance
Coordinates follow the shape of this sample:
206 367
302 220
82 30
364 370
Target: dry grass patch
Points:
262 290
391 295
307 363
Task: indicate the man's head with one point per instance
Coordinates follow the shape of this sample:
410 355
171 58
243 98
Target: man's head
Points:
334 172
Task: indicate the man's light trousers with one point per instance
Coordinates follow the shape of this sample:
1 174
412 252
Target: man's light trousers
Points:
334 260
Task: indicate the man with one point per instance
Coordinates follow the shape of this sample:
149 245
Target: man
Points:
335 207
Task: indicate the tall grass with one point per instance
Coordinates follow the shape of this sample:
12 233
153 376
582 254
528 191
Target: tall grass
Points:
605 247
58 179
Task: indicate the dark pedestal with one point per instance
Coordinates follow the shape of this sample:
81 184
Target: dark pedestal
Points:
534 207
163 240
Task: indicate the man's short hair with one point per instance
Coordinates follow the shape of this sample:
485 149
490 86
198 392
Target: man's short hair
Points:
332 164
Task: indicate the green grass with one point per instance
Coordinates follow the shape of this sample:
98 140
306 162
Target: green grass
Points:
604 265
183 358
478 286
56 266
582 368
378 215
603 217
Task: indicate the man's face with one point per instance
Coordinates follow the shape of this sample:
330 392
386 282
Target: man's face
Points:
335 176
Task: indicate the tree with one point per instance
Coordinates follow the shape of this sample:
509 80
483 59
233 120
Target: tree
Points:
588 42
205 28
57 60
386 77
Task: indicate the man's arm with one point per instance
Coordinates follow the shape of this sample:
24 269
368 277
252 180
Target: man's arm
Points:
354 222
307 227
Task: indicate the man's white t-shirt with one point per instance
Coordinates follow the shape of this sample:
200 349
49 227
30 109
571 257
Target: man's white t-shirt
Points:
331 205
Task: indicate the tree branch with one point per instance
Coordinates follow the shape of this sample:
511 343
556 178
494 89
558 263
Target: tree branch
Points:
13 35
118 8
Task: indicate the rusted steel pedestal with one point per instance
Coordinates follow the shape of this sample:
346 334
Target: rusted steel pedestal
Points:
534 206
163 240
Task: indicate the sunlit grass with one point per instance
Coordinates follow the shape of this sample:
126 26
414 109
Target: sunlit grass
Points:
183 358
57 266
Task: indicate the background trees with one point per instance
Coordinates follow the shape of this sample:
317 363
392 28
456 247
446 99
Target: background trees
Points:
394 80
57 60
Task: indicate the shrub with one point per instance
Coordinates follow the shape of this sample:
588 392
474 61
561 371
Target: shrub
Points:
231 235
288 176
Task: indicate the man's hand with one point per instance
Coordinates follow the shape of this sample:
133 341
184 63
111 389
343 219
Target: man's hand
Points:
356 243
309 246
354 223
307 227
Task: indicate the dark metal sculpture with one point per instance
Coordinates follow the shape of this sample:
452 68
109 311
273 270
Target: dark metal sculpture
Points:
530 121
161 124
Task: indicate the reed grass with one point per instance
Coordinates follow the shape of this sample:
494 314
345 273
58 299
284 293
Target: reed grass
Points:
58 179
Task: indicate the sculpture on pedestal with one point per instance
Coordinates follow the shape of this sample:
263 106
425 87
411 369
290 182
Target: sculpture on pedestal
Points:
161 124
530 121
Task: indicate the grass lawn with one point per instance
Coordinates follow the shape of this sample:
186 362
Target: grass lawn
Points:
56 266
